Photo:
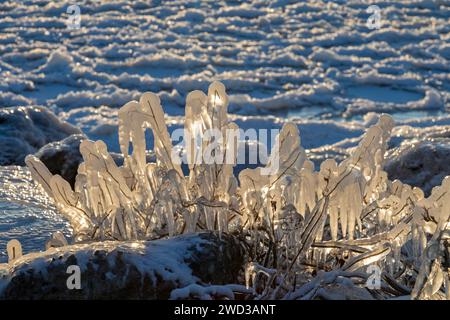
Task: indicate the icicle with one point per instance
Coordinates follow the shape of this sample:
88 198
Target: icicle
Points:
375 139
170 218
333 213
62 192
14 249
194 126
210 216
438 278
308 187
154 115
129 125
287 155
118 225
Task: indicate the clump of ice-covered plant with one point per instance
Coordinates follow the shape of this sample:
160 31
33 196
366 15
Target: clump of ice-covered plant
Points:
297 221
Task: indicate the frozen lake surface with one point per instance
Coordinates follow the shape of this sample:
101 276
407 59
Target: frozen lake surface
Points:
315 62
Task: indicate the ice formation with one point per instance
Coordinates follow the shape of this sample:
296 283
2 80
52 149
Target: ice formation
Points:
342 218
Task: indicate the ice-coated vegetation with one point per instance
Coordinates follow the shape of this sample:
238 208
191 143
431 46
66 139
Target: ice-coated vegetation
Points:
341 221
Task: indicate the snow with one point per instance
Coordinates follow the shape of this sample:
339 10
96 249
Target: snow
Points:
201 292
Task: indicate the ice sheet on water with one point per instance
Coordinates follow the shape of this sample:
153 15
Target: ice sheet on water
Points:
297 55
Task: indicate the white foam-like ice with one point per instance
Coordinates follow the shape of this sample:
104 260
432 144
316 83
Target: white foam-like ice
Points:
288 55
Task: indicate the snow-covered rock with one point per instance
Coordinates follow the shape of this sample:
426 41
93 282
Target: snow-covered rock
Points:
127 270
23 130
63 157
423 164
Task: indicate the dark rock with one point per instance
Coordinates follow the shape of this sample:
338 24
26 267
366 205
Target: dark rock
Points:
64 157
